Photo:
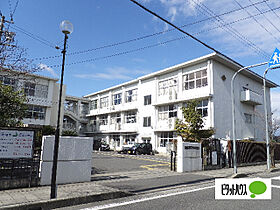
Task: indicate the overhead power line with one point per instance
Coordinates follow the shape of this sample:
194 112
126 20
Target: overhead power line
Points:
266 17
154 45
147 36
35 37
12 14
169 23
228 28
261 25
273 11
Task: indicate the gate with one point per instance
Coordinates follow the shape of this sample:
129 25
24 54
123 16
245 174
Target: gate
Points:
212 155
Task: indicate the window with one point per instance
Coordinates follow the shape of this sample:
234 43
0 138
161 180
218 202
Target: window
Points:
166 112
93 104
41 91
146 140
117 99
116 140
92 121
165 138
116 118
29 89
195 80
36 112
164 87
130 117
131 95
202 108
104 102
129 139
8 81
147 100
248 118
84 109
146 121
103 119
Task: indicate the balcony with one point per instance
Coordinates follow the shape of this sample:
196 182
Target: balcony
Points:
39 101
250 97
115 127
166 125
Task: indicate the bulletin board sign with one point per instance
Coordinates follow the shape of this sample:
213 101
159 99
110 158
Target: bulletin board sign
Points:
16 143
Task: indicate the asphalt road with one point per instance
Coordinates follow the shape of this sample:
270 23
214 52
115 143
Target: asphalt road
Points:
181 192
109 162
196 197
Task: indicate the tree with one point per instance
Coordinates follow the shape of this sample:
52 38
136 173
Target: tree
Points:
13 56
12 107
190 129
69 133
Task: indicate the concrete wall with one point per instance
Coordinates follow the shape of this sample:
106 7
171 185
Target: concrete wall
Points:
188 156
74 159
222 105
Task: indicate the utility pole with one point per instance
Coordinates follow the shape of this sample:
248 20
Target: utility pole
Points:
7 35
2 27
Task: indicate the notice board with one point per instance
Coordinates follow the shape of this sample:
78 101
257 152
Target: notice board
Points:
16 143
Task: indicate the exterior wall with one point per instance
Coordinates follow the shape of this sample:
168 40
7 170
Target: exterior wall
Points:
222 105
150 86
47 101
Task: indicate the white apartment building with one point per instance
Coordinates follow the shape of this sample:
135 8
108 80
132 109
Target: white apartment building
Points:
145 109
42 96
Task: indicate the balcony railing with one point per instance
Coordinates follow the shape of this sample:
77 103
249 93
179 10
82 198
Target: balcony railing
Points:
250 97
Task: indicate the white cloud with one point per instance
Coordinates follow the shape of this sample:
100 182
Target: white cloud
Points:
48 69
252 32
114 73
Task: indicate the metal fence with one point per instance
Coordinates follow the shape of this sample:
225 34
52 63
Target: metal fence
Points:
247 153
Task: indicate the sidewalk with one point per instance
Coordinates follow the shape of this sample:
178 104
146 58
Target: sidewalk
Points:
67 195
78 193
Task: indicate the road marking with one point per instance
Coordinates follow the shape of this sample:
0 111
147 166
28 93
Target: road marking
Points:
152 167
112 205
278 177
276 186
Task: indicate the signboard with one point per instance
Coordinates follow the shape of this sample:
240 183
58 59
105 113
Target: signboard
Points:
274 61
16 143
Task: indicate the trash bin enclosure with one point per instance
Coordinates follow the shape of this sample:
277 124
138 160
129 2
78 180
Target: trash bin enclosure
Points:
189 156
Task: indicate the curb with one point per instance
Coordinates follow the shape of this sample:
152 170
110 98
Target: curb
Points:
63 202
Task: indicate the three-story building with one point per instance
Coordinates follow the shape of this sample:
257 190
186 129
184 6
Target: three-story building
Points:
145 109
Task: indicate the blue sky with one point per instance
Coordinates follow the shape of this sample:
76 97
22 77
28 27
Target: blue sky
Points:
98 23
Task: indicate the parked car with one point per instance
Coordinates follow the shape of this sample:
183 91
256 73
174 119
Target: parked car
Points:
125 148
141 148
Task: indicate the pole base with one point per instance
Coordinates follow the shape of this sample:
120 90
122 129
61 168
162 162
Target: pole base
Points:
238 175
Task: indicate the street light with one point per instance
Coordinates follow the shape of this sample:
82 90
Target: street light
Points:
266 120
233 112
66 28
